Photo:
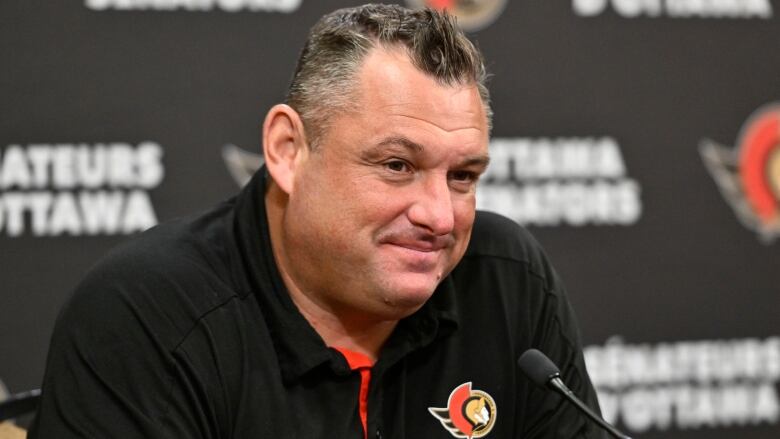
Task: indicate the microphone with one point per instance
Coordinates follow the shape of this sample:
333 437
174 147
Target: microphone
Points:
542 371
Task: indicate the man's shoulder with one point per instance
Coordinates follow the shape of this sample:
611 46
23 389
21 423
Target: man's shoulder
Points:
495 236
507 249
186 251
168 277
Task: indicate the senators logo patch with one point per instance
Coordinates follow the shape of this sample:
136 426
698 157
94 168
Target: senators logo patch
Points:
472 15
748 175
469 413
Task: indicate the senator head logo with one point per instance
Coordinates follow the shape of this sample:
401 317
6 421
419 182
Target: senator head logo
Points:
469 413
748 175
472 15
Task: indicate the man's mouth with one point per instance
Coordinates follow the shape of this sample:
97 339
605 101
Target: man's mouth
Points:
418 257
420 246
417 241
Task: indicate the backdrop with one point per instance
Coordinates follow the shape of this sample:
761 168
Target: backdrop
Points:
639 140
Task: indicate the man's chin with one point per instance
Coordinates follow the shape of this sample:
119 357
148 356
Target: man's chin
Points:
410 296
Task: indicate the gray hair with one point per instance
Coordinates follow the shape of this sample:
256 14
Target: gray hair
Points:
324 79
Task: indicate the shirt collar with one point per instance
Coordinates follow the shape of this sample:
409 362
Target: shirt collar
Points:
298 346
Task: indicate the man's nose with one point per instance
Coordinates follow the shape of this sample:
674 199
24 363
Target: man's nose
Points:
432 207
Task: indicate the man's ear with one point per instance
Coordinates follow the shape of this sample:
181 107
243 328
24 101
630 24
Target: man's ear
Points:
284 144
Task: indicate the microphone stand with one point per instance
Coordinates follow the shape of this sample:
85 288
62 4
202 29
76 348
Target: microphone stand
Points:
556 384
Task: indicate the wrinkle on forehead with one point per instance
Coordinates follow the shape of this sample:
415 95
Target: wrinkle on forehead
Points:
441 127
392 86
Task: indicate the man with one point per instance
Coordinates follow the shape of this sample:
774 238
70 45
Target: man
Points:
349 291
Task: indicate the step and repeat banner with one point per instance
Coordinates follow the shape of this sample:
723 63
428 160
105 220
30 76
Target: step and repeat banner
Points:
639 140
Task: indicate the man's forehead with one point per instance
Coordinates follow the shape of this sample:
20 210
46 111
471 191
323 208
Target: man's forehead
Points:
389 83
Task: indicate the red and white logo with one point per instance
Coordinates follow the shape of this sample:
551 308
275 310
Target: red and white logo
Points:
748 175
469 413
472 15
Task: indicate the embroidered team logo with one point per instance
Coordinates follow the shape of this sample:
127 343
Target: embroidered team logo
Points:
469 413
748 176
472 15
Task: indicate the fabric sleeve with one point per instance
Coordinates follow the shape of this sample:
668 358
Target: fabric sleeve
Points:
557 335
539 313
113 371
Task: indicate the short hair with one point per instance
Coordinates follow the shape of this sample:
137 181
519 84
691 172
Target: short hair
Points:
324 79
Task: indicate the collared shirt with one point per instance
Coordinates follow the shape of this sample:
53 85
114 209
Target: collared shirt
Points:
187 331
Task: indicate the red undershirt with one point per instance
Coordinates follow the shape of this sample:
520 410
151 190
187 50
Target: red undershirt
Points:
362 364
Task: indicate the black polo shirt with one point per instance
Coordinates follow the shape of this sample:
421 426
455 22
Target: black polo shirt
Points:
187 331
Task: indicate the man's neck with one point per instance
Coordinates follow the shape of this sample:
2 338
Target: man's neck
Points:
337 329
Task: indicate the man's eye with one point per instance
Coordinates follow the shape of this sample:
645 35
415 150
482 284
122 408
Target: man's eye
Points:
397 166
463 176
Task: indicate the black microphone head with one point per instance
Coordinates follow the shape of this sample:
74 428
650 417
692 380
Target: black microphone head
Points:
536 366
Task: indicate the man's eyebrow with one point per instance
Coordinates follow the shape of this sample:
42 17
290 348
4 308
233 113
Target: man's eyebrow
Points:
481 160
402 141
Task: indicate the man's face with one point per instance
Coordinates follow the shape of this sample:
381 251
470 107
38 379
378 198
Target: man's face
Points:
382 210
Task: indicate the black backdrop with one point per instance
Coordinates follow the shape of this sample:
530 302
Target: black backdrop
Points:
677 296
